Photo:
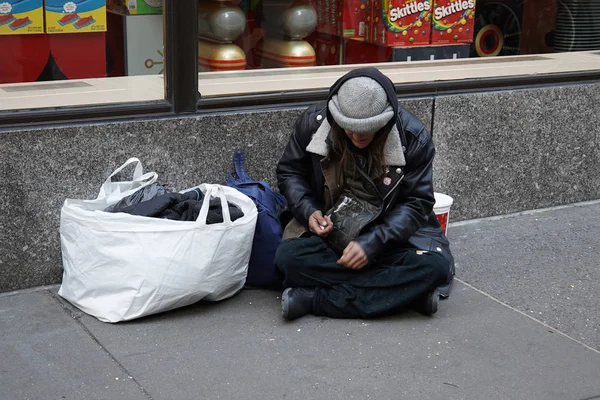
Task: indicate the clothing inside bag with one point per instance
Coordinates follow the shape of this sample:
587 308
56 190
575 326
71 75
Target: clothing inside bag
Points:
182 207
144 194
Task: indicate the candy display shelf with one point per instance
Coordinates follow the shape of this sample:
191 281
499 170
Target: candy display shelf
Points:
215 84
268 81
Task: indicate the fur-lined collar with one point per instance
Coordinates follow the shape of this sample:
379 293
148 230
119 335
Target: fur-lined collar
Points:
392 150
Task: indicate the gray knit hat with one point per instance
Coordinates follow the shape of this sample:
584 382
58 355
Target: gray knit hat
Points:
361 106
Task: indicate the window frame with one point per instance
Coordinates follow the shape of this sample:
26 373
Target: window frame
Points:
180 32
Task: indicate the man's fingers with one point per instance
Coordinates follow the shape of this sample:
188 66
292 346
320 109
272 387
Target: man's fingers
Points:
315 221
313 226
343 261
348 255
345 257
316 228
349 248
322 226
362 262
317 224
320 219
345 252
358 262
352 257
359 257
325 224
354 263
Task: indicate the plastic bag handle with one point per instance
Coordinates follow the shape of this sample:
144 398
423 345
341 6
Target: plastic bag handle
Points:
145 180
139 180
206 204
137 173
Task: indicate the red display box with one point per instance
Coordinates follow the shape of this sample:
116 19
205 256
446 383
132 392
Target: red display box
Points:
345 18
453 21
334 50
45 57
400 23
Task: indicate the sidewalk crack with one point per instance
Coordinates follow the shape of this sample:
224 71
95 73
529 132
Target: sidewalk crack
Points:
77 318
554 330
592 398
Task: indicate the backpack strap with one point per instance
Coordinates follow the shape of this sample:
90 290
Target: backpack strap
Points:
241 181
238 163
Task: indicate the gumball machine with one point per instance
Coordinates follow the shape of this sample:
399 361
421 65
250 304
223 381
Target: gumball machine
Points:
219 24
286 24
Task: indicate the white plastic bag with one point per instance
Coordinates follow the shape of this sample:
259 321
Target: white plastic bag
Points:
118 267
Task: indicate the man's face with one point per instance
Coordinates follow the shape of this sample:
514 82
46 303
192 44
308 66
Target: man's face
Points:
360 140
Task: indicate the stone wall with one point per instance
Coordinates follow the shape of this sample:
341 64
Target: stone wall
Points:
497 153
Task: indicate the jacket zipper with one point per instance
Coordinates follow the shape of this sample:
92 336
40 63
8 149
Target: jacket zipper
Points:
392 190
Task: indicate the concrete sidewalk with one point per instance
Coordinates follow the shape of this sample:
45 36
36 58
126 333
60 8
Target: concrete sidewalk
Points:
521 323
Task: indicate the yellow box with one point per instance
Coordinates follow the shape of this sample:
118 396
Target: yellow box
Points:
74 16
19 17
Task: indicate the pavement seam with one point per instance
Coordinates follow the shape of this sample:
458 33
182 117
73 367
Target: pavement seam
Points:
592 398
95 339
33 289
523 213
489 296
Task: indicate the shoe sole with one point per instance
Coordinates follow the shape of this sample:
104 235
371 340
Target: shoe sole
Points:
433 302
445 290
285 304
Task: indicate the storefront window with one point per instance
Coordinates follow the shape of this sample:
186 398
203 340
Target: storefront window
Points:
251 35
80 52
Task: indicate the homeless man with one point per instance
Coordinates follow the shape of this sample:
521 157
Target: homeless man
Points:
363 241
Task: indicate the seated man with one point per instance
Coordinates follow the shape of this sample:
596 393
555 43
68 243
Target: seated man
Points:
357 174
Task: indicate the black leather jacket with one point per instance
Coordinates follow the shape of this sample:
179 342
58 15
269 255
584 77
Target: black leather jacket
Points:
408 219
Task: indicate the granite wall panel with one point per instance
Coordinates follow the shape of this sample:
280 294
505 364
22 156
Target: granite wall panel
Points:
505 152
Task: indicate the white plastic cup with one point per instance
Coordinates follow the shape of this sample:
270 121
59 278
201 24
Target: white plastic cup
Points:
441 208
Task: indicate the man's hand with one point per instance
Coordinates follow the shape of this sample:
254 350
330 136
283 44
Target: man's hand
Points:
319 225
353 257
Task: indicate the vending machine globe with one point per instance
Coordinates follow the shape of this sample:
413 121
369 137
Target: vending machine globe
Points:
220 23
286 24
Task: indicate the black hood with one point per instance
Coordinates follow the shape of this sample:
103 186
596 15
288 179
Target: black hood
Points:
374 74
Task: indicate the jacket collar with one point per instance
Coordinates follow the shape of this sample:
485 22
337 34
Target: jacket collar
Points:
392 150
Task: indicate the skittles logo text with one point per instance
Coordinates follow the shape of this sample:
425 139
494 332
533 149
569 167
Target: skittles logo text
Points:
456 7
408 9
393 16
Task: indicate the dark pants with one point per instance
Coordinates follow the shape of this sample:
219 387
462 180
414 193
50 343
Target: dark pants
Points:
391 284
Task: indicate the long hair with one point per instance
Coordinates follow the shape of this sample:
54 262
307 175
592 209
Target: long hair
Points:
341 147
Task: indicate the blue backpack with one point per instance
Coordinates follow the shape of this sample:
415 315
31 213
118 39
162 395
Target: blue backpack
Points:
267 237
